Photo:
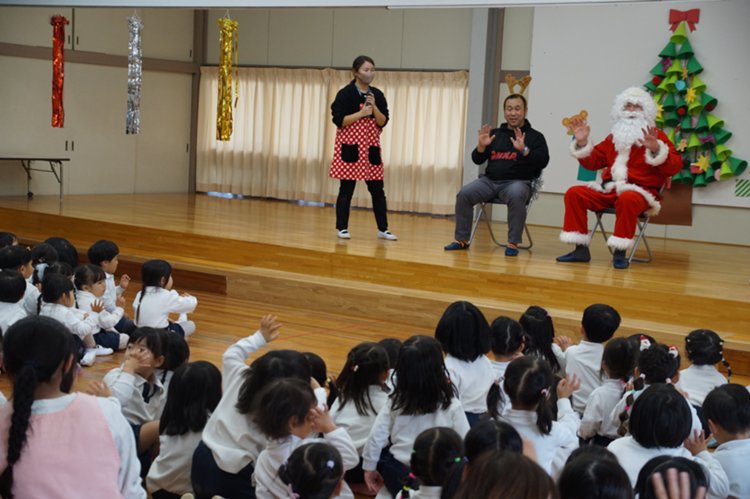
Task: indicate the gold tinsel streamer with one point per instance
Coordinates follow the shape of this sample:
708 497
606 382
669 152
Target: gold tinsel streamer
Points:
227 46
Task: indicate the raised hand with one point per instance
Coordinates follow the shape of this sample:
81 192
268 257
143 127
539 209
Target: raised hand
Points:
269 328
124 281
651 140
322 421
696 443
485 138
97 306
120 301
567 386
677 486
581 131
98 389
519 140
563 342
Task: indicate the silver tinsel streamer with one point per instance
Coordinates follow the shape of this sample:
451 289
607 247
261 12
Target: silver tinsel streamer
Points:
135 73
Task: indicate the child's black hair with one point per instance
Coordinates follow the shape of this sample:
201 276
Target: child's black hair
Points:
7 239
194 393
591 477
506 336
150 337
101 251
600 322
12 286
498 474
529 384
14 257
87 275
706 348
285 401
34 348
54 287
540 331
176 352
154 273
66 252
660 417
365 366
729 407
319 371
423 384
592 452
660 464
619 356
490 434
437 451
463 331
313 471
268 367
392 346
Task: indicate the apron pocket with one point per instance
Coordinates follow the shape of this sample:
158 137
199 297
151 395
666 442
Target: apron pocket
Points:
349 153
374 155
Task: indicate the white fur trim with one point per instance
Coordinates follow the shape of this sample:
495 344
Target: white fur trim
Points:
661 155
583 152
575 238
619 243
620 166
654 204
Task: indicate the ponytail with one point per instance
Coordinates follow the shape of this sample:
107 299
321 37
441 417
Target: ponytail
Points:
528 383
24 385
495 399
544 416
138 307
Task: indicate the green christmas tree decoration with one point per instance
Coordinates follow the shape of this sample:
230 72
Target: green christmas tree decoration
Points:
686 115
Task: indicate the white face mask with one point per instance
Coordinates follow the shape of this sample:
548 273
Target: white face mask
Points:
365 77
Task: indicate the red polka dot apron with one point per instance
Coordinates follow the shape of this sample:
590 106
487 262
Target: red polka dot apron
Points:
356 153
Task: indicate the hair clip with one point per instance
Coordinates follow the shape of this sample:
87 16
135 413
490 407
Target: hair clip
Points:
645 343
458 459
412 476
545 392
292 493
673 351
668 381
40 270
499 380
355 368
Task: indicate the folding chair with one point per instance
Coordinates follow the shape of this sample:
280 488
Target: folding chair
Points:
641 224
482 213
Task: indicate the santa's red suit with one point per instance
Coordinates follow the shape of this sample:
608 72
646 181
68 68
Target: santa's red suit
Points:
630 183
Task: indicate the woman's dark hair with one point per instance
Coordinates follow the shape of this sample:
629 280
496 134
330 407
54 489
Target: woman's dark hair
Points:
463 331
268 367
619 356
154 273
392 346
42 254
529 383
729 407
194 393
14 257
365 366
516 96
176 352
539 329
437 451
600 322
101 251
66 252
660 464
87 275
706 348
594 478
660 417
313 471
150 337
7 239
284 401
423 384
502 475
360 60
54 287
486 436
506 336
12 286
34 348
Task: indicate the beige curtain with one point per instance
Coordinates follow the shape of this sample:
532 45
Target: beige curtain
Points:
282 141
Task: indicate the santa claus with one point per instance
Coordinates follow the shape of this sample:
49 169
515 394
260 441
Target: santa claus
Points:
635 161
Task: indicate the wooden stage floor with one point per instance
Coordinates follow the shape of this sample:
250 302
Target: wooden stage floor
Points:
286 256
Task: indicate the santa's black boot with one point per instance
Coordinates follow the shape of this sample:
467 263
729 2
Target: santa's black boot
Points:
620 259
580 254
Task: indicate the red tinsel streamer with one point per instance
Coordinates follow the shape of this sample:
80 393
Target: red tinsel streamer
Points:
58 75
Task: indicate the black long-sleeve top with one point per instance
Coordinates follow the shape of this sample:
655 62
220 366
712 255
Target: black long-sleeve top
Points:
349 100
505 162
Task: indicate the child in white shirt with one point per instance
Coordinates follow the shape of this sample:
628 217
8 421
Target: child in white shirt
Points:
598 325
105 254
528 383
156 300
437 451
727 411
506 344
12 289
704 349
90 286
660 422
540 338
18 258
618 362
313 470
464 335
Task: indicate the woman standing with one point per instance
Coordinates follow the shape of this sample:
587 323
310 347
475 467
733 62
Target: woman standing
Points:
359 112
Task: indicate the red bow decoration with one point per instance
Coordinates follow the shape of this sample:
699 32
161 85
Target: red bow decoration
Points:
691 16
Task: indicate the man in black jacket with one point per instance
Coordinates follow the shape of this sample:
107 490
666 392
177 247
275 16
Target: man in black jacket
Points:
517 155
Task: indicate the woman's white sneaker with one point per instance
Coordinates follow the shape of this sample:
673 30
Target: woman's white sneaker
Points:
387 235
344 234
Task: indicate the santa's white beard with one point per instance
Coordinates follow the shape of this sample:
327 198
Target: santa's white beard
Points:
628 129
